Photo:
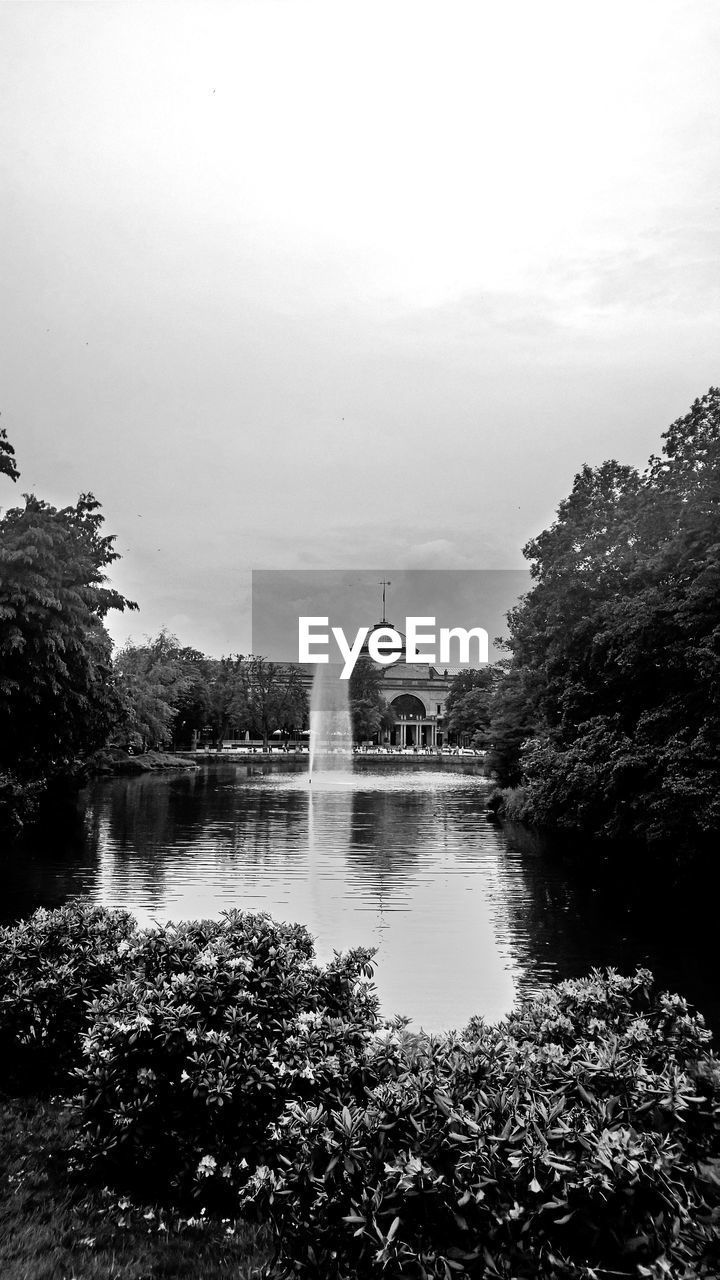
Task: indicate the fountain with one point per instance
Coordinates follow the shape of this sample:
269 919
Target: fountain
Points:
330 726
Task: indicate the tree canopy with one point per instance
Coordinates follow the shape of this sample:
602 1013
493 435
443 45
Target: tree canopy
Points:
467 708
7 457
370 711
163 691
270 696
616 649
57 696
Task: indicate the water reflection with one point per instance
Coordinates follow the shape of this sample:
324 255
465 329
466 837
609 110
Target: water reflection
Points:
464 915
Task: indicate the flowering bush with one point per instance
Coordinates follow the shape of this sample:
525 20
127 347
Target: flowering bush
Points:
51 966
225 1069
577 1135
198 1049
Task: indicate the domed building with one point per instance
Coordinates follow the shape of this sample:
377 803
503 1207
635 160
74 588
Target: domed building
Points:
417 694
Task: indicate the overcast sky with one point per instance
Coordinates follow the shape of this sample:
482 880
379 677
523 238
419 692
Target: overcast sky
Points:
291 284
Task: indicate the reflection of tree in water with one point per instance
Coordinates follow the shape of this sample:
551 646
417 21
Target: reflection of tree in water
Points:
152 828
52 864
567 914
144 841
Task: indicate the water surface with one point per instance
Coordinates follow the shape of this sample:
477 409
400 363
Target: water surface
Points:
464 915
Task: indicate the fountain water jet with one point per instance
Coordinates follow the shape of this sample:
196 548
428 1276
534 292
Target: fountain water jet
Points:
330 726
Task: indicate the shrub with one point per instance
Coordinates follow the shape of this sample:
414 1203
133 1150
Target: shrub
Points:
513 804
199 1048
225 1067
577 1135
51 966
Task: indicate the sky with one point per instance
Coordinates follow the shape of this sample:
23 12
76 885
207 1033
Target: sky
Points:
301 285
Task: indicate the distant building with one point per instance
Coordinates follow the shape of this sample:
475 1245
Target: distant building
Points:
417 694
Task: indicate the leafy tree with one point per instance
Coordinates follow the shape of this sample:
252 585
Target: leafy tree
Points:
227 708
149 680
369 710
617 647
192 703
513 721
269 696
57 696
467 707
171 693
7 457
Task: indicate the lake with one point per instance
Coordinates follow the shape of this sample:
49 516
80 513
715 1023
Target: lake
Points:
465 914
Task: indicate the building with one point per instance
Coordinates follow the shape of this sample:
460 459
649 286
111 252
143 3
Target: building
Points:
417 695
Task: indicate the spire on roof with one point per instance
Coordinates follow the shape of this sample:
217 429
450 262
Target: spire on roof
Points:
385 583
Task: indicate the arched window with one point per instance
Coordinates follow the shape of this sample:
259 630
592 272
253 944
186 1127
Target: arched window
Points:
409 706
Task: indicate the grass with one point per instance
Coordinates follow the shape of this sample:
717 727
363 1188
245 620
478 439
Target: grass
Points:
53 1229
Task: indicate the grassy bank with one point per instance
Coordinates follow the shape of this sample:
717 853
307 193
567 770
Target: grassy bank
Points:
51 1228
114 762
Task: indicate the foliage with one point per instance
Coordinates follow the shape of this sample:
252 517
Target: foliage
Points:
196 1051
51 965
57 701
52 1226
192 710
8 466
510 803
615 675
513 721
171 694
369 710
468 704
56 696
19 804
160 684
573 1138
174 693
270 696
225 1069
226 702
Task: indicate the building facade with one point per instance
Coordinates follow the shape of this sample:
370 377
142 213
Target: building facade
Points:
417 694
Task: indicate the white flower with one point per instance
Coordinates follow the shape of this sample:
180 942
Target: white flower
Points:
206 1167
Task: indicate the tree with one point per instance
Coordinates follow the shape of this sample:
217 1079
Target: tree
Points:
513 721
268 696
149 681
617 647
192 703
467 707
57 696
7 457
370 712
166 691
227 708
